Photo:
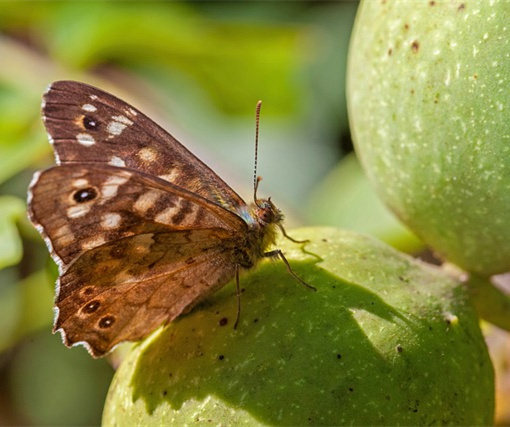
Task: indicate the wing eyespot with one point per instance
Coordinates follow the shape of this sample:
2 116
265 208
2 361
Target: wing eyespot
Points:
91 307
90 123
106 322
85 195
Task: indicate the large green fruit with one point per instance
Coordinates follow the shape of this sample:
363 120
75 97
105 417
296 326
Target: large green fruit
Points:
384 340
429 104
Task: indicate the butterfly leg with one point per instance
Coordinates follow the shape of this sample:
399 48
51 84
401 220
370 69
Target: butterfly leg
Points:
238 292
290 238
279 254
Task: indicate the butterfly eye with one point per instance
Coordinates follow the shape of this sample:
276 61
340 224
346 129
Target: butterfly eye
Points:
265 213
84 195
89 123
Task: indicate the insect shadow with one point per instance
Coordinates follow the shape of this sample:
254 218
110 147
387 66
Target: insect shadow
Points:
290 345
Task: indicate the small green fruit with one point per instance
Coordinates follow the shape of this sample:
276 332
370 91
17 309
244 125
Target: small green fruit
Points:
384 340
429 106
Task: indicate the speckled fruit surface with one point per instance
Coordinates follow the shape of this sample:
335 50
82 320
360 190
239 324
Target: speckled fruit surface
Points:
429 108
385 340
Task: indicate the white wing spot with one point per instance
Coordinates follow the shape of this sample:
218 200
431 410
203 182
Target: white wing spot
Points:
85 139
170 177
131 112
146 201
115 128
78 211
93 242
93 97
110 221
64 236
148 155
80 182
165 216
88 107
117 161
122 119
111 186
117 125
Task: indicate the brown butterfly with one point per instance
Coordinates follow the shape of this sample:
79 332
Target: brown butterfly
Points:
140 228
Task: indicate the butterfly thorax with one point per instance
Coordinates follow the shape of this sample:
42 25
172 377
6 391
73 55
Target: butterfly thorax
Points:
264 220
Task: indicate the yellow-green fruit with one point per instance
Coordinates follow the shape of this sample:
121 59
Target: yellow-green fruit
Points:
429 104
384 340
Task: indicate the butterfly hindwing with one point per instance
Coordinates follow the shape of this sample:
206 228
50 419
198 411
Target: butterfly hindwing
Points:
86 124
105 298
79 207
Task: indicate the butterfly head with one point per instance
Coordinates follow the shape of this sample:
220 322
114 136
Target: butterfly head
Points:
267 213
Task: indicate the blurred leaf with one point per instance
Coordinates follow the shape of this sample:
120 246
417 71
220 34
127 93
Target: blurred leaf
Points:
20 155
347 200
11 209
22 141
174 36
53 385
25 307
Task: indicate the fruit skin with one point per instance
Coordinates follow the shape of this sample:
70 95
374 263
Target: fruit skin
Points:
384 340
429 109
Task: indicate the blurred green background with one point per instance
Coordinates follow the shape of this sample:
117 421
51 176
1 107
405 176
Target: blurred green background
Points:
198 69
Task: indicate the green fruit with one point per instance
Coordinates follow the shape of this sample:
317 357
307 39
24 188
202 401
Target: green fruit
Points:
429 107
384 340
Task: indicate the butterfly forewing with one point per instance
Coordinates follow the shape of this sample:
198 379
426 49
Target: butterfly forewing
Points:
86 124
82 206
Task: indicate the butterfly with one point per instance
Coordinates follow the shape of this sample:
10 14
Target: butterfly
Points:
140 228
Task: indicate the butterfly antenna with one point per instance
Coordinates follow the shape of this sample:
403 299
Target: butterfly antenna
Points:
256 179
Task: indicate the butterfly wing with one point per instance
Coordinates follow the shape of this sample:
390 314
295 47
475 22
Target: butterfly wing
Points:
134 251
86 124
82 206
104 300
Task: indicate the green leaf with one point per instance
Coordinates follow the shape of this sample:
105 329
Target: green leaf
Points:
174 37
25 307
11 210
